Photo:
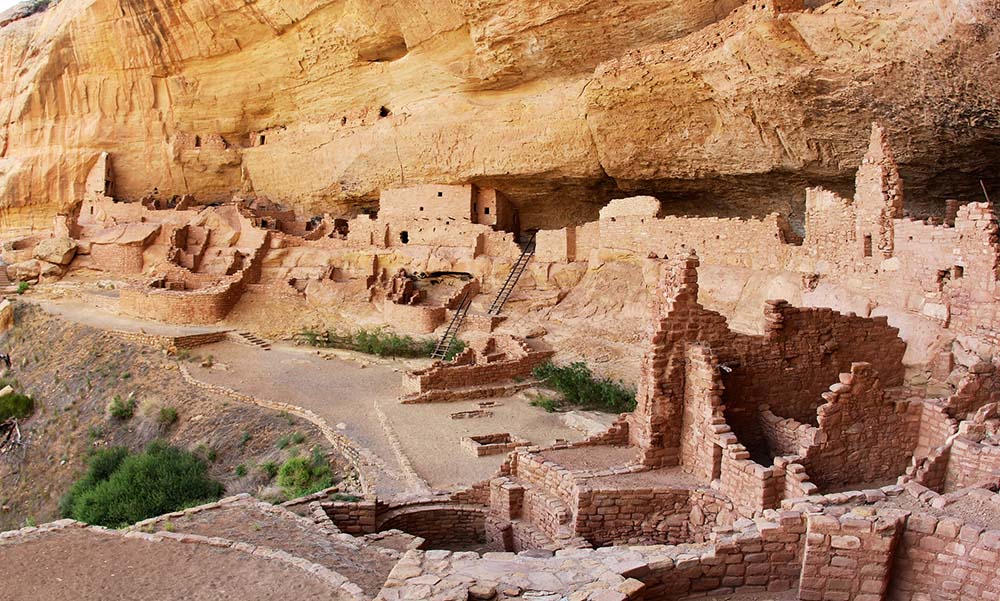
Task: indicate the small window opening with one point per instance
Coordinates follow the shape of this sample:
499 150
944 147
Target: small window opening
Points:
197 141
404 237
957 272
383 112
440 194
486 211
421 208
868 246
343 120
262 139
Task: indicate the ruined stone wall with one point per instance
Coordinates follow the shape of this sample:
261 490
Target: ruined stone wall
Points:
849 557
757 244
750 486
766 558
863 437
118 258
413 319
440 525
669 515
700 446
469 370
945 558
971 462
784 436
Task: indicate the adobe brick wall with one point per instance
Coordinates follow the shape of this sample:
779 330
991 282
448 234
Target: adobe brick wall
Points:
848 558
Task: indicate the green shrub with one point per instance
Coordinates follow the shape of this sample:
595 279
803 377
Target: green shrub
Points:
380 342
122 409
269 469
241 470
300 476
121 488
167 417
340 496
548 404
298 437
16 405
580 388
23 287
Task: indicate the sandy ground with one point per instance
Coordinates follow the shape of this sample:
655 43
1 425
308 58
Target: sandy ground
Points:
347 392
350 393
78 565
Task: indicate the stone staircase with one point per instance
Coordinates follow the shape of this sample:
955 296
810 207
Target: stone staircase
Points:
252 340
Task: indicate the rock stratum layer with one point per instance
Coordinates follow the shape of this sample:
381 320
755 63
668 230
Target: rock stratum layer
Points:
319 104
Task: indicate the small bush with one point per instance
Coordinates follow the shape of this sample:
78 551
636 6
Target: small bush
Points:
298 438
269 469
379 342
548 404
167 417
299 477
283 442
120 488
122 409
23 287
16 405
241 470
580 388
340 496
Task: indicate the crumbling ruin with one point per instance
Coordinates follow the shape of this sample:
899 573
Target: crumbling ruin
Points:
799 456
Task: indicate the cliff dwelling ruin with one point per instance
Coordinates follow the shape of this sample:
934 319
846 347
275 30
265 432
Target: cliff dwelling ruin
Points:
483 309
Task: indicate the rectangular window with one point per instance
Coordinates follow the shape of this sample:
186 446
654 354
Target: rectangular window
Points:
868 246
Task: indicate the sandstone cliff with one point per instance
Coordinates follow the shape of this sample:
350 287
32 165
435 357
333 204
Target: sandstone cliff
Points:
720 105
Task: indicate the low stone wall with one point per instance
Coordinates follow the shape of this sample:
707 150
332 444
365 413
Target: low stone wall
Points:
970 462
440 525
785 436
848 557
171 343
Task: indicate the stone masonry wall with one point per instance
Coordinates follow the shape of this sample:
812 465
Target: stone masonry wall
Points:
945 559
848 559
863 437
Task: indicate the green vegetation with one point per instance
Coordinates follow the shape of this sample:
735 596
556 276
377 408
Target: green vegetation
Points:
241 470
269 469
550 405
23 287
379 342
121 488
122 409
17 405
300 476
167 417
580 388
340 496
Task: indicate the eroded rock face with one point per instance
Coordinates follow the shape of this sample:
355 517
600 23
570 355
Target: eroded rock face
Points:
320 104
